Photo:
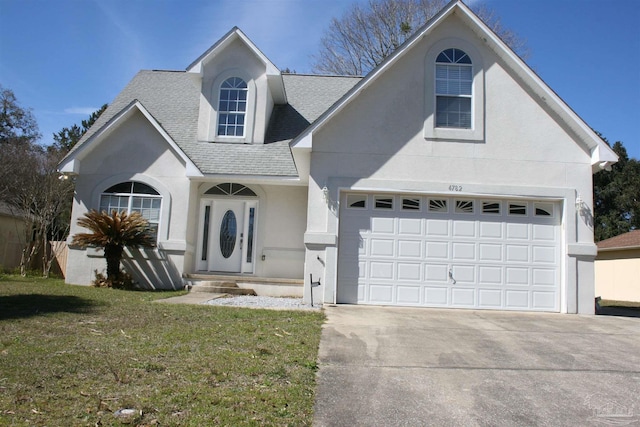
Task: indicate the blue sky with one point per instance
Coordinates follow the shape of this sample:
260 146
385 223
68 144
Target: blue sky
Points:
65 58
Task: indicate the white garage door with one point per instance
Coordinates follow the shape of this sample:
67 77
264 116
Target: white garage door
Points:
449 252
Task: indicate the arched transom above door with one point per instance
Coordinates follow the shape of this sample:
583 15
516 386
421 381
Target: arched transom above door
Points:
231 189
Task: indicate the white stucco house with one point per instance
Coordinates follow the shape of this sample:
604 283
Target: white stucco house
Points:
449 176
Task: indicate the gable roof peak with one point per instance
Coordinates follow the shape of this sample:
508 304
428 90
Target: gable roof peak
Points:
602 156
234 34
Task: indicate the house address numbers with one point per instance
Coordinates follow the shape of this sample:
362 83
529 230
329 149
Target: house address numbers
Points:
454 187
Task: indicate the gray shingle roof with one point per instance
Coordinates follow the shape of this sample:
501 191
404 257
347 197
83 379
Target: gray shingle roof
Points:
308 96
173 98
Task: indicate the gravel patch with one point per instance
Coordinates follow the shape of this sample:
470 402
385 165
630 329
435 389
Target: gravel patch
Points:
263 302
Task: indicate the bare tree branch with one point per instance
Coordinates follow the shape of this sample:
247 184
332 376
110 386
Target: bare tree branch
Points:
365 35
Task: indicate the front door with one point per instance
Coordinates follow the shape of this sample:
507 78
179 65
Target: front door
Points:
226 235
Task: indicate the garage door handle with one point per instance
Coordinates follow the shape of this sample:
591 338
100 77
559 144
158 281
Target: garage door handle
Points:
451 276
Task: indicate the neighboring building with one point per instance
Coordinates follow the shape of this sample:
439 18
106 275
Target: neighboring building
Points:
12 237
617 267
450 176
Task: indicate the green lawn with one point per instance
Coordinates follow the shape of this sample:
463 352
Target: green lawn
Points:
72 356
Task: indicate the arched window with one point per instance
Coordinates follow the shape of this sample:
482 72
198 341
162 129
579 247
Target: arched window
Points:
232 107
454 80
230 189
134 196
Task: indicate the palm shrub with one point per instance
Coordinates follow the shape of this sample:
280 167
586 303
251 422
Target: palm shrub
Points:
113 232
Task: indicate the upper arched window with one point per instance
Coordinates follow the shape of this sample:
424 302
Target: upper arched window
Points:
454 80
134 196
232 107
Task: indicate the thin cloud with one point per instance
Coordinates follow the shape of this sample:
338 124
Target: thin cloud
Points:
86 111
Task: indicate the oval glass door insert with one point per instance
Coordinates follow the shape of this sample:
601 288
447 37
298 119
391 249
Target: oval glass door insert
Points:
228 231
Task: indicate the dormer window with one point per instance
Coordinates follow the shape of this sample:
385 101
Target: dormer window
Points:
232 107
454 80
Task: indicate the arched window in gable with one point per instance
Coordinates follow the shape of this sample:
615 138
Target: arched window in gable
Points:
454 82
232 107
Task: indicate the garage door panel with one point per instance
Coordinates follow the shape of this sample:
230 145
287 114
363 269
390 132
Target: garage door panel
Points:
491 230
349 291
437 228
436 296
543 300
381 270
544 277
463 251
464 229
352 245
518 231
381 247
464 274
436 273
516 299
437 250
463 297
490 252
490 298
488 275
409 271
380 294
352 268
410 227
518 276
517 253
410 249
544 254
486 258
383 225
544 233
408 295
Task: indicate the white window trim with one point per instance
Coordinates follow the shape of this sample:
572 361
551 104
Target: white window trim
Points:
476 132
234 113
249 118
165 204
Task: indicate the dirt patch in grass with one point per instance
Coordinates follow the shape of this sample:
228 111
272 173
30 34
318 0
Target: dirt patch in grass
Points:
74 356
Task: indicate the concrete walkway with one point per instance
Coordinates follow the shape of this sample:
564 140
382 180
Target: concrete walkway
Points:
192 298
434 367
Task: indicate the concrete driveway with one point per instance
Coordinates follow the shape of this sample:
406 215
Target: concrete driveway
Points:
384 366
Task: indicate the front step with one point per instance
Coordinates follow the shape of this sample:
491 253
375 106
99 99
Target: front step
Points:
221 287
243 285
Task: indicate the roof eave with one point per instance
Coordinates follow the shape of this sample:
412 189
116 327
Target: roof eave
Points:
619 248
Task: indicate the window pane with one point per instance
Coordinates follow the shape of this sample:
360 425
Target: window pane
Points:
436 205
464 206
228 234
233 95
491 207
517 209
252 215
411 204
123 187
453 112
383 203
140 188
205 232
